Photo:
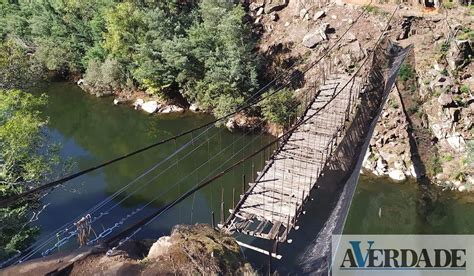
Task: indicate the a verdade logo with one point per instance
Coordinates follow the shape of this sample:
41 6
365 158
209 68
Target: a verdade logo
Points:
401 254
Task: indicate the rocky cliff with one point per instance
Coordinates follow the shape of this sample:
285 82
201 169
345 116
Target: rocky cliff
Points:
426 128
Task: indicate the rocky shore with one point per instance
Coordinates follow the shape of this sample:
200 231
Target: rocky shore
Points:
441 84
190 249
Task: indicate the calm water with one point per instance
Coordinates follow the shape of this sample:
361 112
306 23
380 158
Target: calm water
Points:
92 130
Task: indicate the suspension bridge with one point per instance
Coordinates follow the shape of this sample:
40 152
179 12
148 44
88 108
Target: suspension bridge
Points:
323 147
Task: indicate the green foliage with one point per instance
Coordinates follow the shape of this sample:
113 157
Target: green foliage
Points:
447 157
433 166
470 153
220 49
26 158
444 48
65 34
449 4
467 33
406 72
104 75
393 103
279 107
125 25
464 89
17 69
203 50
375 10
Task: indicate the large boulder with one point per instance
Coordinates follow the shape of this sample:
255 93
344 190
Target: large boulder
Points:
456 141
255 5
445 100
150 106
160 247
318 15
194 107
315 37
397 174
459 54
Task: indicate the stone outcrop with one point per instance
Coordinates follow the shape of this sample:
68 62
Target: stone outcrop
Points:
275 5
313 38
150 106
189 250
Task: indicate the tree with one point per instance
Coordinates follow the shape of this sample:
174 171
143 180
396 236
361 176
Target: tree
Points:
26 158
104 77
220 50
17 68
279 107
125 27
68 34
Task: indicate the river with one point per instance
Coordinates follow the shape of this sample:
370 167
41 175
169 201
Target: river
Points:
92 130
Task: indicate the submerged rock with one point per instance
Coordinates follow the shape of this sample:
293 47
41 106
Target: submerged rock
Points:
171 109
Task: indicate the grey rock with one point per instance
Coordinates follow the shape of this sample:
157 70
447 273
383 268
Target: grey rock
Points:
356 51
457 142
318 15
350 37
194 107
274 17
256 5
323 29
303 13
275 5
150 106
459 54
397 175
312 39
445 99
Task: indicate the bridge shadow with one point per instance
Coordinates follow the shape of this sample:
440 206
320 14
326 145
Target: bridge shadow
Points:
419 140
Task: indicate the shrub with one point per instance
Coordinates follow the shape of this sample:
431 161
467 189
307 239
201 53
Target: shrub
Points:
470 153
449 4
464 89
279 107
106 74
406 72
447 157
433 166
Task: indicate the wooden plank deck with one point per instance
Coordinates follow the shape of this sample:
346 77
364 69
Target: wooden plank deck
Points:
271 206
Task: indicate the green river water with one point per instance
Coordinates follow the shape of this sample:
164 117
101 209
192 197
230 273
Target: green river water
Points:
92 130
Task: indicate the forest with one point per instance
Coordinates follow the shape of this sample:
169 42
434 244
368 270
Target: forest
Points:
203 51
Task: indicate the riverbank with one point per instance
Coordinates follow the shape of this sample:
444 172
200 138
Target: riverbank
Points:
426 129
189 249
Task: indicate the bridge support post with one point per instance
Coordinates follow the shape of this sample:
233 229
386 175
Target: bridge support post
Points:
213 220
222 208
